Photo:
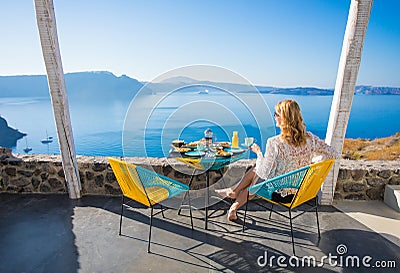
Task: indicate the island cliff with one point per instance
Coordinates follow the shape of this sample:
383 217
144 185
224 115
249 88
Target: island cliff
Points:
8 135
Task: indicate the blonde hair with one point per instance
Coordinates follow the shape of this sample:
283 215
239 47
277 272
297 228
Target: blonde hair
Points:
293 129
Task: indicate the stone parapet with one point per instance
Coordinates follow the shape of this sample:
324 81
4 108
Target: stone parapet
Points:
357 180
366 180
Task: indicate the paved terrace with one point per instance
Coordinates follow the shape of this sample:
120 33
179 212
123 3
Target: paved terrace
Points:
51 233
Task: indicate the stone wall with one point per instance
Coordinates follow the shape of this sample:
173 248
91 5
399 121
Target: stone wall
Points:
358 180
44 173
366 180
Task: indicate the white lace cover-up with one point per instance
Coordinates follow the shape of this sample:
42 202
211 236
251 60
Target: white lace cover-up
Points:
280 157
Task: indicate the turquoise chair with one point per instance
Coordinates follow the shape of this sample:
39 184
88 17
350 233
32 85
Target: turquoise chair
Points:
307 180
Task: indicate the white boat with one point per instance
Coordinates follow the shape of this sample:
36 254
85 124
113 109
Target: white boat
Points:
27 149
203 91
47 140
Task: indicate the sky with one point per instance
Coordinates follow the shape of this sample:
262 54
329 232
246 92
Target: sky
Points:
282 43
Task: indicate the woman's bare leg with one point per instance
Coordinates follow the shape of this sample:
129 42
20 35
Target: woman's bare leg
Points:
240 201
247 179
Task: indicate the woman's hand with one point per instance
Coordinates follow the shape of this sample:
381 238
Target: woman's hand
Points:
255 148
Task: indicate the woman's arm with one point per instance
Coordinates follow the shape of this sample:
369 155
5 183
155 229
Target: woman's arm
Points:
321 148
265 164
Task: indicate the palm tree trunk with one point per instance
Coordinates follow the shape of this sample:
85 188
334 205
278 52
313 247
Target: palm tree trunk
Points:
46 22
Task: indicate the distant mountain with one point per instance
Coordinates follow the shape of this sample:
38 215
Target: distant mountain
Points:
23 86
181 79
176 82
80 85
100 86
373 90
310 91
86 86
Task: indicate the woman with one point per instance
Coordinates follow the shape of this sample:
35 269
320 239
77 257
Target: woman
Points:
293 148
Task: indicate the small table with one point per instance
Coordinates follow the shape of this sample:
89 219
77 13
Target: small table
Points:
207 164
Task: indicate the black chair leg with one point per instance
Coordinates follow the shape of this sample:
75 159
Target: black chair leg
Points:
151 224
270 211
190 211
162 211
122 212
245 211
291 230
316 212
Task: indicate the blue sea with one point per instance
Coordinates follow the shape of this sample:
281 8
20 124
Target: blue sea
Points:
146 126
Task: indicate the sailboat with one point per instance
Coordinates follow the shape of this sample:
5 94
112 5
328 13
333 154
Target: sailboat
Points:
47 140
27 149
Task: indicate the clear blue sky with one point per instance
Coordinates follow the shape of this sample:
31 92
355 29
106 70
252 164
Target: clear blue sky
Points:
271 42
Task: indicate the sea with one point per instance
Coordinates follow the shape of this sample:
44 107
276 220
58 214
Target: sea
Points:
146 125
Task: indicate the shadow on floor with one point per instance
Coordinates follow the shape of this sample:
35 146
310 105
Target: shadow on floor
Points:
36 234
46 233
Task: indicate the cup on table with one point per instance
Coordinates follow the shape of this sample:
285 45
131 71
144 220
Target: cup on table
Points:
201 146
248 141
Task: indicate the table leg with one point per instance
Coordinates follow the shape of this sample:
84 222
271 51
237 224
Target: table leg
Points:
186 193
207 201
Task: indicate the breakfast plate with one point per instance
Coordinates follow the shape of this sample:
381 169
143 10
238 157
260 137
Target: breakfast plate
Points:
236 150
222 153
195 153
224 144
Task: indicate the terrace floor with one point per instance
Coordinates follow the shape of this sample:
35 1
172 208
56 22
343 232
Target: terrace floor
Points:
51 233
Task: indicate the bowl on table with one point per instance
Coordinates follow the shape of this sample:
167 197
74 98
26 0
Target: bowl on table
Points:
178 143
191 145
235 150
224 144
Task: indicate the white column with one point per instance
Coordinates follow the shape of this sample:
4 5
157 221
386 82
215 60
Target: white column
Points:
46 22
349 64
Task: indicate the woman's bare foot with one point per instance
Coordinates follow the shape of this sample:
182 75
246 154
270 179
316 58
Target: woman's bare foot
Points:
228 192
232 216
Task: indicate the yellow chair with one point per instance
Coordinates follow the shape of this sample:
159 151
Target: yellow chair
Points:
307 180
146 187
